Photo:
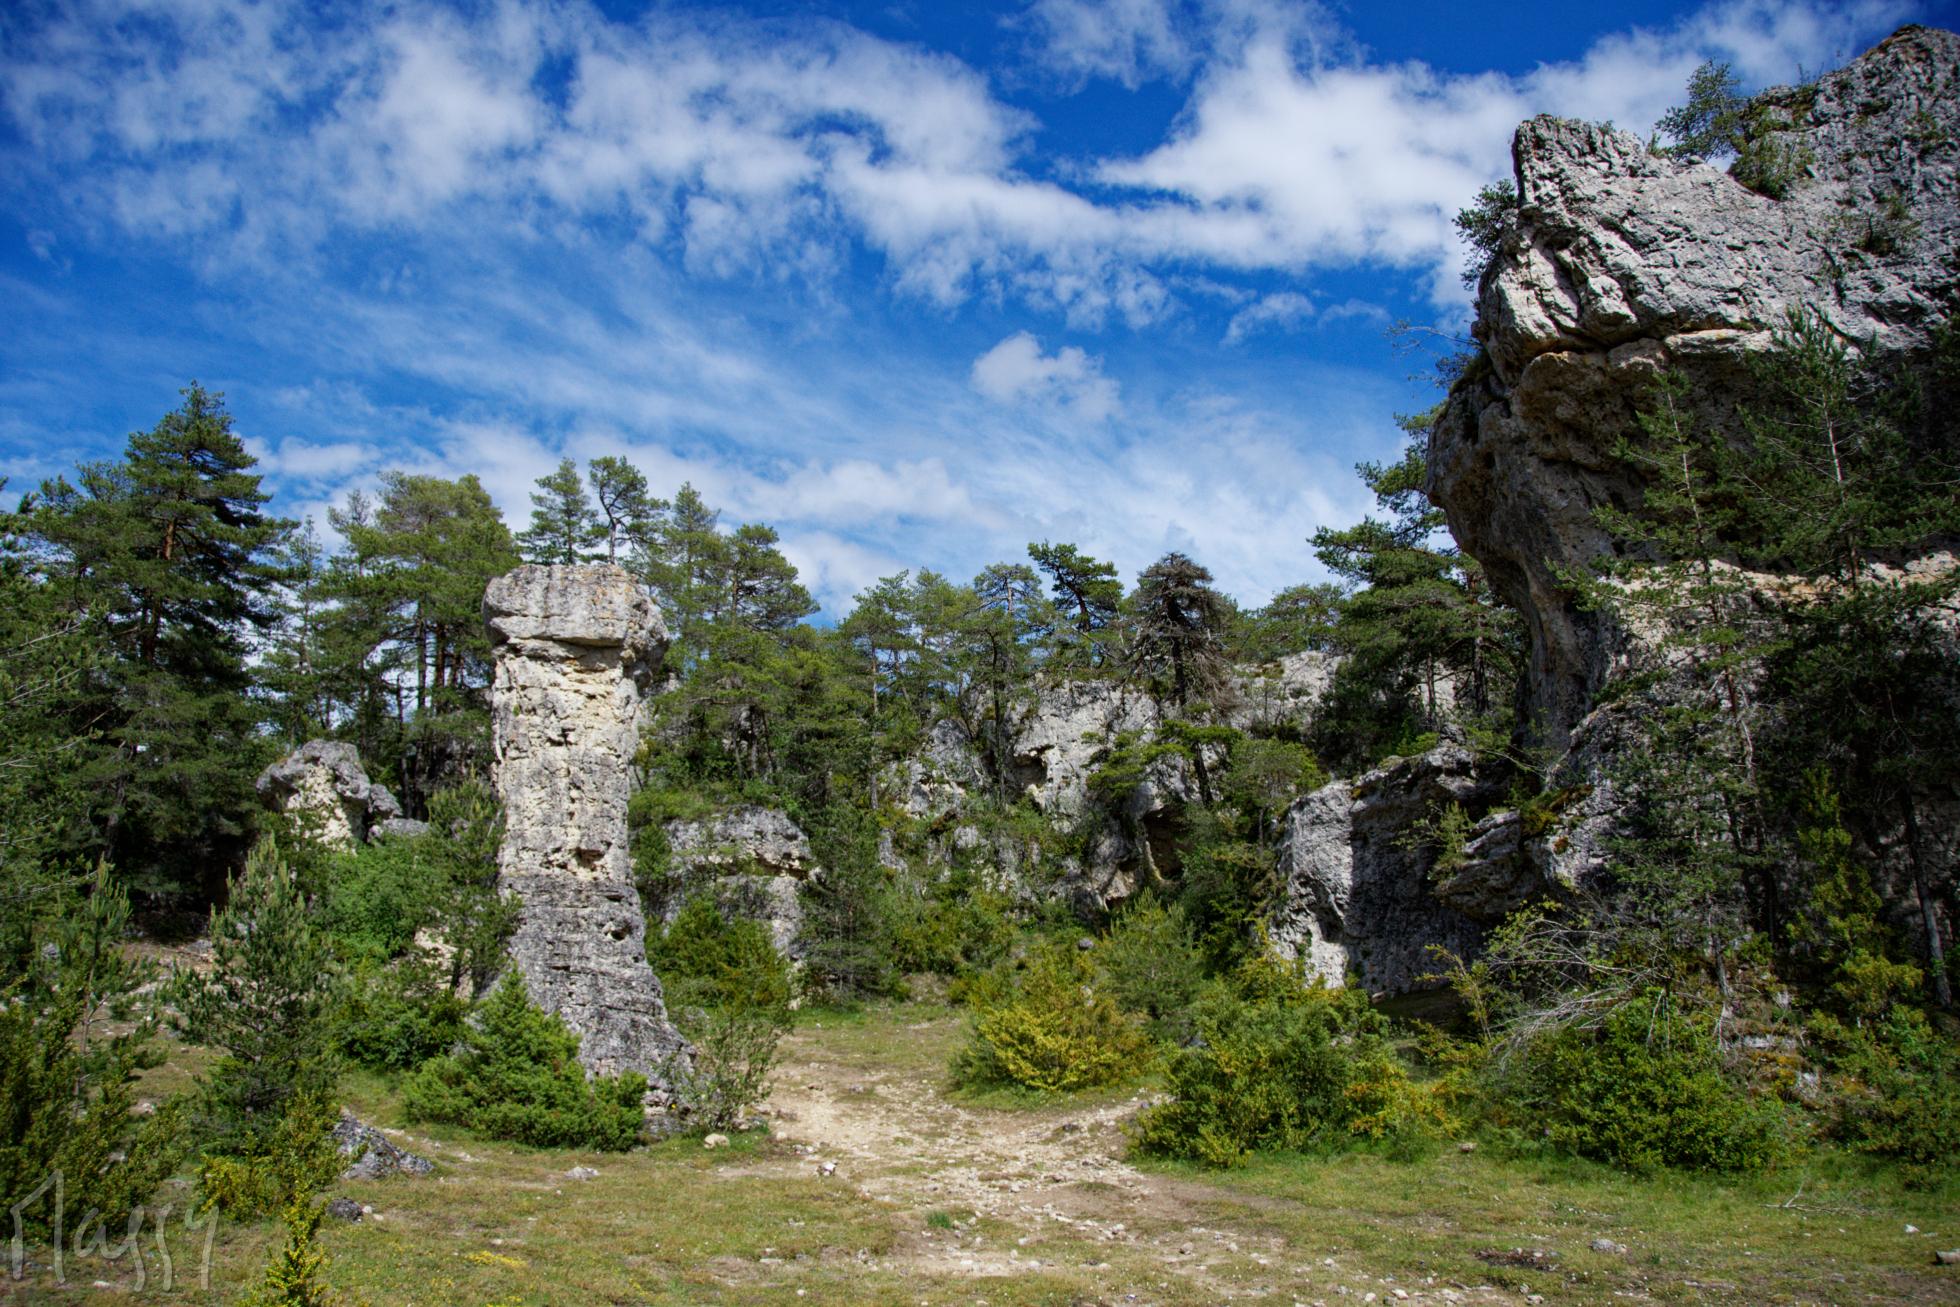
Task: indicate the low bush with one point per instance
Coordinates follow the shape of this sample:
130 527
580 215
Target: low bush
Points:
395 1018
379 895
1054 1030
1282 1065
707 959
518 1077
272 1170
1151 967
734 1052
953 927
1643 1089
1900 1092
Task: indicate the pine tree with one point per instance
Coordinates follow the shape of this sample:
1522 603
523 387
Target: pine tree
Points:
265 1002
1089 596
563 527
627 513
170 552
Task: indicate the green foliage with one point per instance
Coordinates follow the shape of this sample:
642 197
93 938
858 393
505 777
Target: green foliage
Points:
1483 224
563 527
1056 1030
951 927
394 1018
735 1049
850 950
1718 122
168 555
1902 1094
1280 1065
272 1169
1643 1088
517 1076
706 959
267 1002
73 1037
1150 966
293 1278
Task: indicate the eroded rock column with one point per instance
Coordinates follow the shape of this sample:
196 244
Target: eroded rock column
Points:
575 647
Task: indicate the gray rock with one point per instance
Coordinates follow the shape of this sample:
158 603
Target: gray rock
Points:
398 828
575 647
344 1209
1624 263
1607 1246
748 839
582 1173
1359 896
374 1154
322 783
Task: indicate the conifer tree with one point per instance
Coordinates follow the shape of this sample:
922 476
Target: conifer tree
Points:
563 527
627 513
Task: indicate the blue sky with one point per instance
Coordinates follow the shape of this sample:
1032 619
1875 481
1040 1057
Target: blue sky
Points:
914 283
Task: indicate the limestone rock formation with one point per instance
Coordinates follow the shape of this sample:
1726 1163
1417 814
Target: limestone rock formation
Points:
575 648
1360 896
1624 262
753 861
322 783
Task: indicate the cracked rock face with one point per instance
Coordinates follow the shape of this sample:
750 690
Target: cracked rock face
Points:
752 861
574 648
322 783
1625 263
1361 895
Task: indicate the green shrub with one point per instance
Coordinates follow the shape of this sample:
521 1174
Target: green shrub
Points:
293 1275
1280 1065
951 928
1151 967
1055 1031
274 1169
380 894
1903 1098
396 1018
67 1085
268 1002
1643 1089
518 1077
705 959
734 1052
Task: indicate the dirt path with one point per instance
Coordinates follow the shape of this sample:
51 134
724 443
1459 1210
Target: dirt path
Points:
1012 1192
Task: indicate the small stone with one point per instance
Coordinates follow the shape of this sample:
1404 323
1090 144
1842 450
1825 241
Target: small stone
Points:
715 1141
1085 943
345 1209
1948 1257
1912 1229
1607 1246
582 1173
1467 1146
826 1168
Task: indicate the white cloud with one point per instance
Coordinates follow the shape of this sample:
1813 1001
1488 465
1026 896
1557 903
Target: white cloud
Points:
1016 371
1284 310
260 131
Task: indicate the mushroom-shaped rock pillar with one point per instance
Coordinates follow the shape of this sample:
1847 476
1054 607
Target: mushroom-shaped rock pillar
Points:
575 647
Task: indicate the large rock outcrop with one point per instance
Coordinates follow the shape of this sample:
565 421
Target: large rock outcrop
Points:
1359 862
323 785
575 648
751 860
1624 262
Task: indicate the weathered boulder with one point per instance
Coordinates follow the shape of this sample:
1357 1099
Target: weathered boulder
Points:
323 784
752 861
1625 262
372 1154
1360 895
575 647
